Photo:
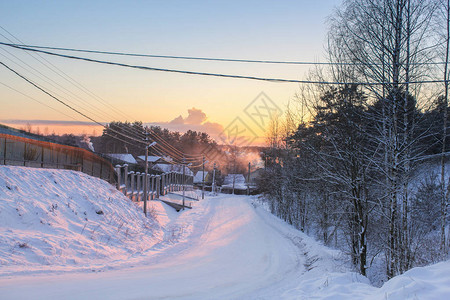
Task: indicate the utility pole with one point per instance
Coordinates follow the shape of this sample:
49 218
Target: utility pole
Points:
146 172
234 174
203 178
184 177
248 180
214 179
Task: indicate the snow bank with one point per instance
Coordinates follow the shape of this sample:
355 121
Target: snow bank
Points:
431 282
329 276
62 220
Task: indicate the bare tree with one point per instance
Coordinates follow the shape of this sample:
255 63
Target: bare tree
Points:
444 186
389 44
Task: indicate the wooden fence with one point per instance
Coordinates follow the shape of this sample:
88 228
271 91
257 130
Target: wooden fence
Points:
22 151
132 184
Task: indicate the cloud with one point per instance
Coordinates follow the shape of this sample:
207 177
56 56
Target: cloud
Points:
196 116
177 120
196 120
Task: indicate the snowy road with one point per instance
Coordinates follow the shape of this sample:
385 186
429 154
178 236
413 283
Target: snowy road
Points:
223 248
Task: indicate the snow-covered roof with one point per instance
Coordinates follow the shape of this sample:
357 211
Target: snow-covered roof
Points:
151 158
126 157
198 178
169 167
239 181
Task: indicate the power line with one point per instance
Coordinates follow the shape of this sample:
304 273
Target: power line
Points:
216 74
119 139
204 58
65 104
135 138
161 143
74 109
79 112
44 78
181 153
64 75
34 99
178 153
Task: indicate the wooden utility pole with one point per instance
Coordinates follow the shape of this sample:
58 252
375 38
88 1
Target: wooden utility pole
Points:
203 178
146 172
147 145
184 177
214 179
248 180
234 174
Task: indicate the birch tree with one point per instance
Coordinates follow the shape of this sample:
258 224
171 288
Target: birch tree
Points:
388 43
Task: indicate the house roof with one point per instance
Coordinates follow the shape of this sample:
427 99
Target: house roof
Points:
169 167
239 181
125 157
198 178
150 158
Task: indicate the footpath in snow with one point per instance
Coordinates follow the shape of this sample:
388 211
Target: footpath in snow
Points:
66 235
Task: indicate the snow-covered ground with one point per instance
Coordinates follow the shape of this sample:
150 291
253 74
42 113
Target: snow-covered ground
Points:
54 220
54 244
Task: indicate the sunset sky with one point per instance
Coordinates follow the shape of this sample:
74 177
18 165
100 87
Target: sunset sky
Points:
266 30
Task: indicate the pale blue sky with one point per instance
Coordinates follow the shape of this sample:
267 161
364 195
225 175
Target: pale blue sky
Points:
278 30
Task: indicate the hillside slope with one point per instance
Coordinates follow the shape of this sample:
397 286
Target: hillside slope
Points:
63 220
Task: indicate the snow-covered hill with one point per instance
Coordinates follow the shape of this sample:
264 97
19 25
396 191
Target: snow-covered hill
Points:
56 227
62 220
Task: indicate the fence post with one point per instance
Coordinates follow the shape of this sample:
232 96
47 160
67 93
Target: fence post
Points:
138 186
158 182
24 153
4 153
42 156
132 175
125 178
164 179
153 187
57 161
173 181
162 184
118 171
145 192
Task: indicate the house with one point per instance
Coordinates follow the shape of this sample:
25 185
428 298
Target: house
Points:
151 159
121 158
238 179
198 178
